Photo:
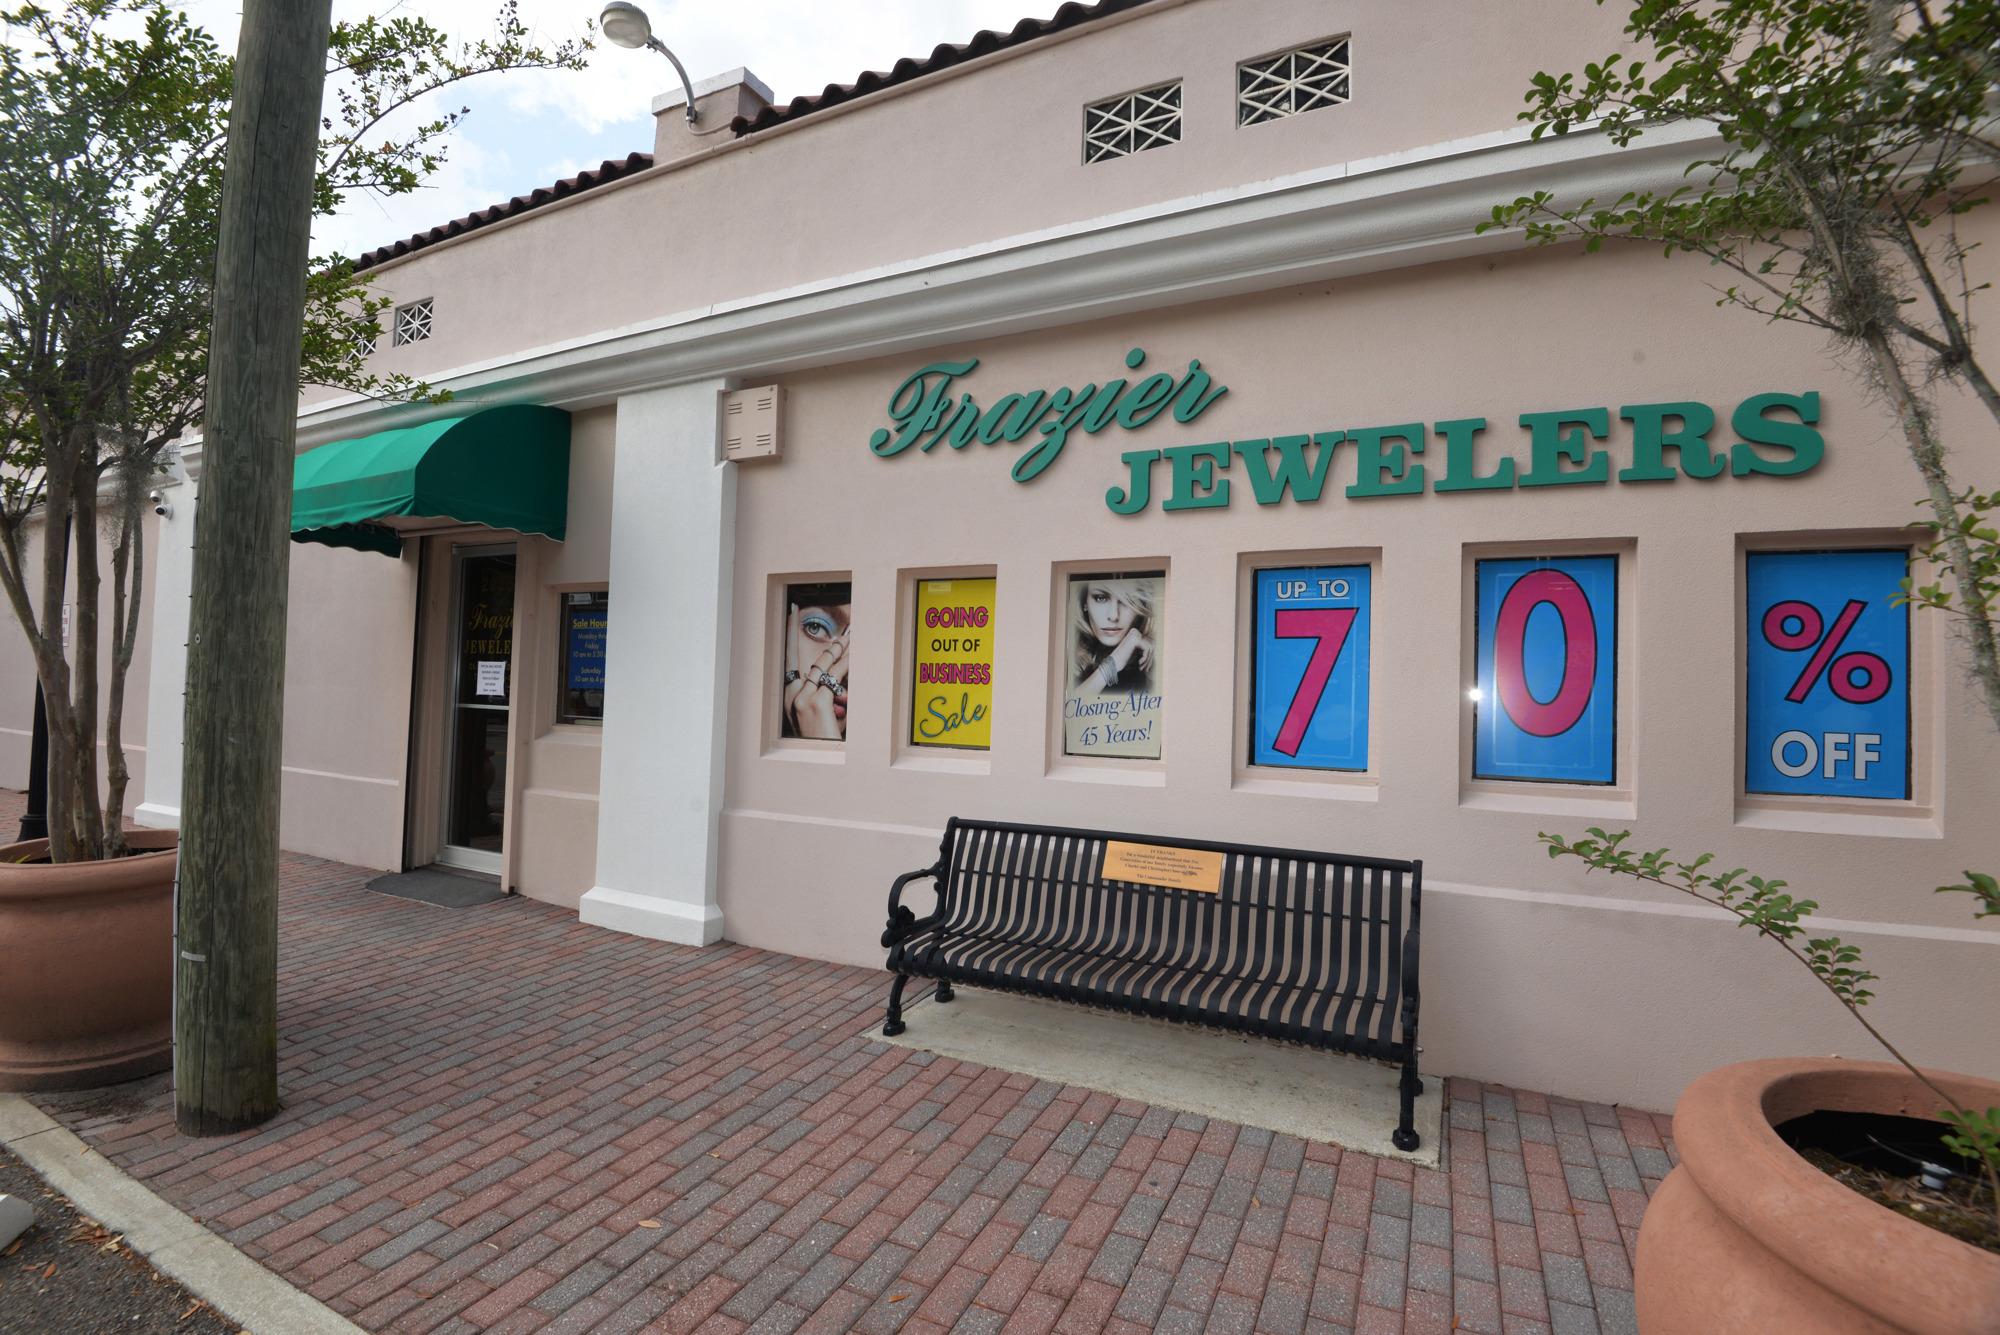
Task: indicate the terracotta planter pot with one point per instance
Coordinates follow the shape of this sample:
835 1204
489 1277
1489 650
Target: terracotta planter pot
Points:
86 966
1746 1236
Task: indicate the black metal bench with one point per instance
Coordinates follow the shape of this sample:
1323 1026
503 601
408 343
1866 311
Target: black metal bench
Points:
1312 948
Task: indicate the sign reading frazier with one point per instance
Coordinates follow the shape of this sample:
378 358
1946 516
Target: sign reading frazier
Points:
1158 864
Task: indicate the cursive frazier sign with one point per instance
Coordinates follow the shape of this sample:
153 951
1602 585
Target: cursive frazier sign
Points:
923 411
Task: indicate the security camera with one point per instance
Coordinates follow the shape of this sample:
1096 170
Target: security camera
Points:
161 506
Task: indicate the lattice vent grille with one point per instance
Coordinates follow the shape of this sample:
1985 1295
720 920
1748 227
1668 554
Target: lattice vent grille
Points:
413 322
1149 118
1285 85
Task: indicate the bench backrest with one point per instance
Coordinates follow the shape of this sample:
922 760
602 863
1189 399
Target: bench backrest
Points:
1307 946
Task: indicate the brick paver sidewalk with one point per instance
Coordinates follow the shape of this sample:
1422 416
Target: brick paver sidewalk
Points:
498 1119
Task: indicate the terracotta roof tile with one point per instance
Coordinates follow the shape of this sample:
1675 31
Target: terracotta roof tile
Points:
943 57
607 171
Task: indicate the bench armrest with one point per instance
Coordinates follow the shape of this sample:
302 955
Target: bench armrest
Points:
902 922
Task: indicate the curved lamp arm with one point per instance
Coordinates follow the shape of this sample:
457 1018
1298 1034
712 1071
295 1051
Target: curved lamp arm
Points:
680 69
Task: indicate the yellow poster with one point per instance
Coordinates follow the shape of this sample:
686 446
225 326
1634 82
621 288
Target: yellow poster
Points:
953 700
1156 864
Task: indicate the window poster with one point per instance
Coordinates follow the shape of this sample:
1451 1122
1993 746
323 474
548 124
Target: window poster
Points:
953 701
586 618
1111 668
1829 671
1546 704
1309 672
815 683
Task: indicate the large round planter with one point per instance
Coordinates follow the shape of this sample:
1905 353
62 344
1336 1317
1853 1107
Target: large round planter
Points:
1747 1237
86 966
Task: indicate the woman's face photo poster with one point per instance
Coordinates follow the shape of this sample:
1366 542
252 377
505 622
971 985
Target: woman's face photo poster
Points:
816 639
1111 704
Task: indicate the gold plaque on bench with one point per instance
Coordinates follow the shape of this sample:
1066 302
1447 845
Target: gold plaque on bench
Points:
1156 864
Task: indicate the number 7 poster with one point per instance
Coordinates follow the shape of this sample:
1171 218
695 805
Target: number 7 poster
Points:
1309 702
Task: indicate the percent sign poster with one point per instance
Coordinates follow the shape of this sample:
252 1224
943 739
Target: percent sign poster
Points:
1547 707
1829 673
953 703
1310 707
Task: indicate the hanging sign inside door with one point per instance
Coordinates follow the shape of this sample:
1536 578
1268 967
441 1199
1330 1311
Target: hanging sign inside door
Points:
492 677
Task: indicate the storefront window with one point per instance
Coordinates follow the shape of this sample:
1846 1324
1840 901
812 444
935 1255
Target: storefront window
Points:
585 617
1309 702
1115 636
1546 707
953 701
815 674
1829 668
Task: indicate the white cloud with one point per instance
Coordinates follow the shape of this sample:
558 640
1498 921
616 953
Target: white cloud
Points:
531 128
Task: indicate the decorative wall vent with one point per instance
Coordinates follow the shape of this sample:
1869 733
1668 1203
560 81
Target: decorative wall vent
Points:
750 423
413 322
1149 118
1305 79
360 347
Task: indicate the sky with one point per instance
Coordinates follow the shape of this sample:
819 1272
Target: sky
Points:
532 128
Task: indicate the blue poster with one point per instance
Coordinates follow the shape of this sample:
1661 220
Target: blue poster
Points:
586 644
1829 675
1309 699
1546 706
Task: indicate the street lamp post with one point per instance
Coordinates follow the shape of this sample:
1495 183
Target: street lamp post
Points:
626 25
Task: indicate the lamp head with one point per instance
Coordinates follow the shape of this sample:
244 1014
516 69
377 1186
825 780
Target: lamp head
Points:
625 24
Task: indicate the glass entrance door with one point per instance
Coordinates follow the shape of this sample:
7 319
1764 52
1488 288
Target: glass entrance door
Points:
482 691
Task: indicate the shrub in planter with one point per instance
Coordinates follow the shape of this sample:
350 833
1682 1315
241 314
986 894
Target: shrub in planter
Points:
1749 1236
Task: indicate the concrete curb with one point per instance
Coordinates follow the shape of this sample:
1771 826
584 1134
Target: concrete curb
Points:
180 1248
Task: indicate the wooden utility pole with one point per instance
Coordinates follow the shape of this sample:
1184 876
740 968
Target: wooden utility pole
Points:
226 976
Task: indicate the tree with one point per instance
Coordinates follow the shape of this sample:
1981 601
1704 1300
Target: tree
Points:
1856 134
113 129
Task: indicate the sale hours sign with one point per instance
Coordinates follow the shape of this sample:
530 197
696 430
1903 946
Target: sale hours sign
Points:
1546 705
953 701
1309 702
1829 669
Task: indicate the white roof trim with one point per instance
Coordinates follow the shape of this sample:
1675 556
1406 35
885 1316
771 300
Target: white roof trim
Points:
1391 212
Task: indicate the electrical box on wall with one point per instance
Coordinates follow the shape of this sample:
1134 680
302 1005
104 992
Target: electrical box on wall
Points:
750 423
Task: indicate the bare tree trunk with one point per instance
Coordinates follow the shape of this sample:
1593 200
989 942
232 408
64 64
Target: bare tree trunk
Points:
128 571
1929 458
87 818
226 976
51 662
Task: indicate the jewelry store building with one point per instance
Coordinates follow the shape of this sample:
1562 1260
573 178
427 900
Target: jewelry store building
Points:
1119 422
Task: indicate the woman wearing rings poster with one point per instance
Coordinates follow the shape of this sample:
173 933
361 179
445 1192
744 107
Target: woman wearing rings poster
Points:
1111 706
816 638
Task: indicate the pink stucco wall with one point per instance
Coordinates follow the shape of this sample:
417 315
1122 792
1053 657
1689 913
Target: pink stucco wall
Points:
1609 1002
989 151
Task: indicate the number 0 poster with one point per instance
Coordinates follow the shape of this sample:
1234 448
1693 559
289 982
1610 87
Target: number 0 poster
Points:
1547 706
953 704
1310 706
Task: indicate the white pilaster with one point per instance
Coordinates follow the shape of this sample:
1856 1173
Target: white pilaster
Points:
666 670
171 583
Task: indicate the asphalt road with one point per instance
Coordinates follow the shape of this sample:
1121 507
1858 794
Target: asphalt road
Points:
67 1276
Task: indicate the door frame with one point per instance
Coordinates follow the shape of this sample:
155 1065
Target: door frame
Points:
434 682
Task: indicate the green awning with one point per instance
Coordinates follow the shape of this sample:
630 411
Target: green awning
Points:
504 467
